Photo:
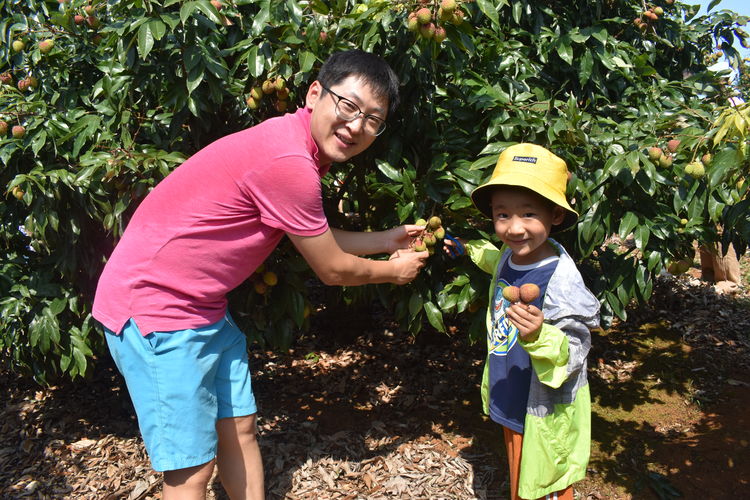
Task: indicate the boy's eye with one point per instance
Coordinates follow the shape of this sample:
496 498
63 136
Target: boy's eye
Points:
529 214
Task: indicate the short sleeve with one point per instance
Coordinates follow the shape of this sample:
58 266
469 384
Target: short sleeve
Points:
288 194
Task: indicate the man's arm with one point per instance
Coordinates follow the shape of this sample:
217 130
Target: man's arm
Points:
370 243
334 266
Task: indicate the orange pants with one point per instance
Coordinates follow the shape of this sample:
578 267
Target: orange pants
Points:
513 445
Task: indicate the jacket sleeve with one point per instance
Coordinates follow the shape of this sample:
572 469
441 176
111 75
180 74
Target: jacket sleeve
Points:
484 254
559 351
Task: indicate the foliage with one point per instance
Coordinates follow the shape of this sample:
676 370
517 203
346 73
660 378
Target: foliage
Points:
130 89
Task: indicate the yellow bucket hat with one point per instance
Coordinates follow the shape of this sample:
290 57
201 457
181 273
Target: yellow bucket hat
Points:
532 167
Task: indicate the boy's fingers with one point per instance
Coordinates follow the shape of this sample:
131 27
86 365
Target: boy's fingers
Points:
457 248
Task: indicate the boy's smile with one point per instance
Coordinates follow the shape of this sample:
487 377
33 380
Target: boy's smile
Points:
523 221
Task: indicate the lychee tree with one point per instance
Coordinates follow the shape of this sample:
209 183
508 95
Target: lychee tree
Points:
117 94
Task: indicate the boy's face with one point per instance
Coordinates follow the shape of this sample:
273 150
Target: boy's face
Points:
337 139
523 221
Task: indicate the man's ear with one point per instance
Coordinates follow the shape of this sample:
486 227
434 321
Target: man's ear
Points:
314 93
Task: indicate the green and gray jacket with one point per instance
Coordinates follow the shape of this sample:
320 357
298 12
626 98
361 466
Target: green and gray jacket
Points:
557 428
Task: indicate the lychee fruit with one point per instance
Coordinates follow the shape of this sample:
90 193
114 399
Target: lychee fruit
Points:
512 294
706 158
427 30
18 45
695 169
260 287
18 131
78 19
654 153
256 93
529 292
665 161
268 86
283 94
439 233
270 278
673 145
424 15
434 222
3 128
23 84
6 78
251 102
46 45
17 192
429 239
440 34
419 245
448 5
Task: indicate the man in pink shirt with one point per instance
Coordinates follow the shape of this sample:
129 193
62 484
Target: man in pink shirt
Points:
204 230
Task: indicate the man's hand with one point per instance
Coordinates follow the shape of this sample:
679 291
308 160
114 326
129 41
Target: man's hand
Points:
401 236
407 263
527 318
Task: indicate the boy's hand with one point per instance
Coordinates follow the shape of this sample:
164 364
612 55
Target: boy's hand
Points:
453 247
527 318
401 236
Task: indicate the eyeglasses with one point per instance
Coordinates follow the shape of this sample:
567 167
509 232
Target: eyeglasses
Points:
349 111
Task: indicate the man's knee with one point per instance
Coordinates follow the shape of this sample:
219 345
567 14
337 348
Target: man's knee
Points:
189 478
243 428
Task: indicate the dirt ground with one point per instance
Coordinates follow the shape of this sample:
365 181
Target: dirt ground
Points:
359 410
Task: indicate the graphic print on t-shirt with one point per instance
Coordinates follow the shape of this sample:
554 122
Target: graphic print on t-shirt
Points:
503 335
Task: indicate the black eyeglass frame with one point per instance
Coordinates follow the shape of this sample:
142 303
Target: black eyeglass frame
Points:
382 123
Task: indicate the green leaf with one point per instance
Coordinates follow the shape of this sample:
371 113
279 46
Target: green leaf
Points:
387 170
564 50
255 62
186 11
158 28
434 316
489 10
627 223
306 61
642 234
319 6
194 79
586 67
145 40
415 304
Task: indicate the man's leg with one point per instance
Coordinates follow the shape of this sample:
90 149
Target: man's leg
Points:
238 458
190 483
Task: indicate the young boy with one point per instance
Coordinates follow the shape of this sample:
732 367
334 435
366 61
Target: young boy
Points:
534 382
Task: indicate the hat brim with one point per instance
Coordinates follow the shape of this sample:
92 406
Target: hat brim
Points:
481 197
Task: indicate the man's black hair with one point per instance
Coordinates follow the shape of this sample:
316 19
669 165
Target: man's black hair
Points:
371 68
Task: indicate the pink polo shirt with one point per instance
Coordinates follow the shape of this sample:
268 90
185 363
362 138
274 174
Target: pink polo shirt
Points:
210 223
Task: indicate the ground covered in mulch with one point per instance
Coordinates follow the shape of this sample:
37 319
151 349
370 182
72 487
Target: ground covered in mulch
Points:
360 410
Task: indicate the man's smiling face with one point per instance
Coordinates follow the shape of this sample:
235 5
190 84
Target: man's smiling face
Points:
337 139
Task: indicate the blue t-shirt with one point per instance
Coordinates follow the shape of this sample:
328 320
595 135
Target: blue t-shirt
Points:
510 365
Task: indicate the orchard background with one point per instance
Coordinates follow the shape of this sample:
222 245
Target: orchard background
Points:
101 100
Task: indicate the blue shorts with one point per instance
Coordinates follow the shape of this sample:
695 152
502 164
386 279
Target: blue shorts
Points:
181 383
